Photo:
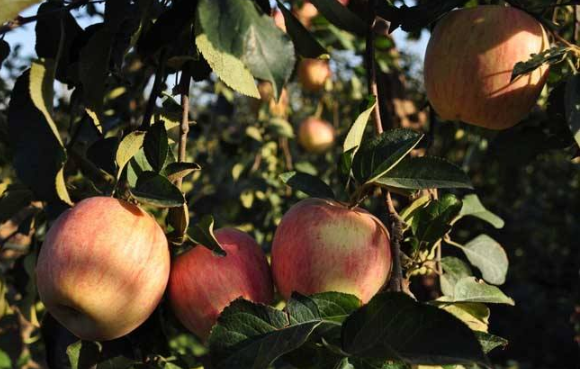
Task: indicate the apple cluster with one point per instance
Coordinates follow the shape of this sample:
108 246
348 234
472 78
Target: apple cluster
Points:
105 265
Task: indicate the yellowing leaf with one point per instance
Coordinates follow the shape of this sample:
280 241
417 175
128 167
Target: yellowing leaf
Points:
42 91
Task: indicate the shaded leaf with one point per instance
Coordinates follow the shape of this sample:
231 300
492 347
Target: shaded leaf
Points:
249 335
474 314
309 184
156 146
551 56
340 16
306 45
381 154
156 190
455 269
434 221
490 341
424 173
392 326
572 98
4 51
472 206
175 171
12 201
281 127
202 234
42 91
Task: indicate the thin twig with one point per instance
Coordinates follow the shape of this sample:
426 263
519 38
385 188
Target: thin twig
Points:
155 91
184 127
20 21
370 64
287 154
396 283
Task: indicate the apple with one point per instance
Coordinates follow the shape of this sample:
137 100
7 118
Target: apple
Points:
316 135
306 13
313 74
279 20
202 283
321 245
103 268
469 62
277 108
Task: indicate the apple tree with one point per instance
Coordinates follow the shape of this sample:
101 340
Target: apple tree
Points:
342 186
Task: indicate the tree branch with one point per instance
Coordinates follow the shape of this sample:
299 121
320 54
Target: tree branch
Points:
155 91
184 127
396 283
371 65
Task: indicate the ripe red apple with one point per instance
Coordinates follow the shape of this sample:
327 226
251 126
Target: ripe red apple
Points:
202 284
469 62
313 74
322 245
316 135
103 268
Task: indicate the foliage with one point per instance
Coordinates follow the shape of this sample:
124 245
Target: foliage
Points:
95 114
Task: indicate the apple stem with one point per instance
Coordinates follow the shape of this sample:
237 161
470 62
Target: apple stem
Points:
184 126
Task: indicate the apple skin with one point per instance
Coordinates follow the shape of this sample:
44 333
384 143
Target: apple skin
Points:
313 74
316 135
277 108
306 13
469 62
103 268
279 20
202 284
320 245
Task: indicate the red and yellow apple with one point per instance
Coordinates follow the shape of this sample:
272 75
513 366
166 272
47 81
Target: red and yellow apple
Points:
103 268
202 283
279 20
316 135
469 63
313 74
321 245
305 13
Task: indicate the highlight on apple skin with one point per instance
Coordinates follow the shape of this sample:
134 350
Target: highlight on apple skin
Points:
313 74
316 135
202 283
469 63
321 245
103 268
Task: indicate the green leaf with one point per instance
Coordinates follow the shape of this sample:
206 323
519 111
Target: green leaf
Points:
156 146
433 222
281 127
306 45
355 134
202 234
474 314
13 200
335 306
393 326
380 154
11 8
249 335
156 190
551 56
93 71
455 269
228 68
79 351
42 91
61 190
5 362
488 256
37 152
4 51
340 16
309 184
424 173
468 289
408 213
572 100
175 171
472 206
490 341
254 42
128 148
